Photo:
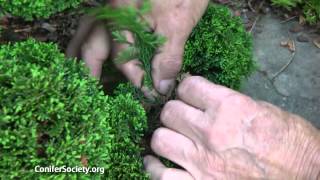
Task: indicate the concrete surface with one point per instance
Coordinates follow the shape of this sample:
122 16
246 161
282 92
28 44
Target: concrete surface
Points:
297 89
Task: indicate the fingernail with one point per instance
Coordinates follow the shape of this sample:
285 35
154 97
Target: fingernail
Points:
166 85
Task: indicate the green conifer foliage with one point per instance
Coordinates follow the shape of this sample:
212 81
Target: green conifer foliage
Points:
53 113
30 9
219 48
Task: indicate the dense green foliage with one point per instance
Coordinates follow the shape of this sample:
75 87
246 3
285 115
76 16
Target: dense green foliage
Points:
311 8
286 3
219 48
312 11
30 9
53 113
145 42
125 88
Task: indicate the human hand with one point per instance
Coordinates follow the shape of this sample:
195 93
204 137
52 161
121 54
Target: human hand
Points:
216 133
92 43
173 19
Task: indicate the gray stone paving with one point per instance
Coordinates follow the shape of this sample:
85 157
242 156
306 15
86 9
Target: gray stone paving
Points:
297 89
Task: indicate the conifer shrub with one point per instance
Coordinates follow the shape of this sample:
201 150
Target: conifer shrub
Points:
219 48
30 9
288 4
310 8
311 11
53 114
128 18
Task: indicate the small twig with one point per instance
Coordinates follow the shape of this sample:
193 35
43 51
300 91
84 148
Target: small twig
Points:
27 29
284 67
277 90
261 4
250 6
289 19
254 24
272 83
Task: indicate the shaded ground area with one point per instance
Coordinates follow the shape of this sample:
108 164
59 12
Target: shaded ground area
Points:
297 88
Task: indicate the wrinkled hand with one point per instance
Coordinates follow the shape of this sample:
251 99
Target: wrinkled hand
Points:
173 19
216 133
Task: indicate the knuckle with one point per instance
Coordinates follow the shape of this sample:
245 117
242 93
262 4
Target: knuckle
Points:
237 100
172 68
192 80
188 83
174 61
168 64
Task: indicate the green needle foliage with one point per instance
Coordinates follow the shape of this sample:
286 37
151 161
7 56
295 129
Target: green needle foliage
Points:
312 11
311 8
145 41
288 4
219 48
53 113
30 9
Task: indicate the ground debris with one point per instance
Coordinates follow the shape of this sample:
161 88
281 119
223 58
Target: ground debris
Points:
289 44
48 27
303 38
296 28
316 42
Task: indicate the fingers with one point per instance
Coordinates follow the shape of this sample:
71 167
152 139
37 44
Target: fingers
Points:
175 21
166 65
133 72
158 171
201 93
184 119
131 69
85 26
96 49
175 147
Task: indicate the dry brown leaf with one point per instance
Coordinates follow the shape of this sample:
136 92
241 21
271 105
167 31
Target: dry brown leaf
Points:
288 44
317 42
291 45
302 20
284 43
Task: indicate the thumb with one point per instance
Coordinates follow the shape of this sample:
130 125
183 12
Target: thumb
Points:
166 65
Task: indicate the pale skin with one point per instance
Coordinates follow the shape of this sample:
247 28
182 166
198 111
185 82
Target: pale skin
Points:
216 133
173 19
210 131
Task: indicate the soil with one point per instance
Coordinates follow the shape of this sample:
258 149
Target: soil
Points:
59 28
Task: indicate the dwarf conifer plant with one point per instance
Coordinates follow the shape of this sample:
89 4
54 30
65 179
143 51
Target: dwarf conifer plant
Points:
53 113
30 9
311 8
145 41
219 48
